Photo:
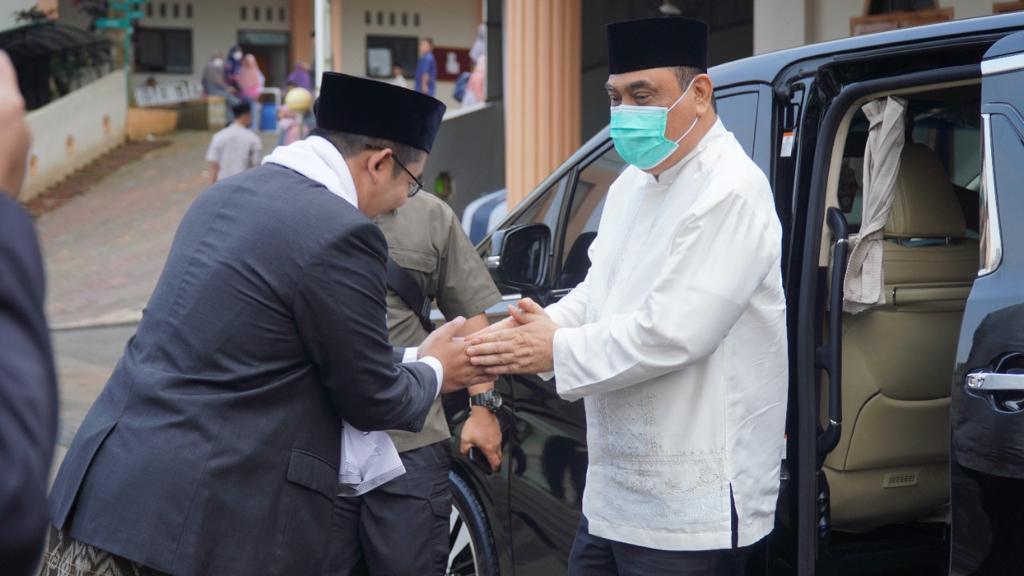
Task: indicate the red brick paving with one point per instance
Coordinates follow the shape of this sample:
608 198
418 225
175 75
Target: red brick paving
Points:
104 249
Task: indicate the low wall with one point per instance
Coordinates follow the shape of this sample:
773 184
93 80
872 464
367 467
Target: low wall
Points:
71 132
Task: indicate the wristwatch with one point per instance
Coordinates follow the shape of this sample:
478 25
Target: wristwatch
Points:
490 400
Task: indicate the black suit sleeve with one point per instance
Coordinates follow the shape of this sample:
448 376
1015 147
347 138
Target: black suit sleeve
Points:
397 355
28 394
340 312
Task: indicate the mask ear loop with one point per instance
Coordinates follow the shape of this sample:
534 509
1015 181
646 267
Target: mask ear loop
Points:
695 119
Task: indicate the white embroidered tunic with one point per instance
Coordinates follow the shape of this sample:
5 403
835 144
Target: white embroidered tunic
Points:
677 342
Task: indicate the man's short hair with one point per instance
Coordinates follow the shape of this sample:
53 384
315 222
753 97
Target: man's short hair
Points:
352 144
429 40
241 109
684 74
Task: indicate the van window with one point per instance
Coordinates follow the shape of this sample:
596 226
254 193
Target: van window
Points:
739 115
585 214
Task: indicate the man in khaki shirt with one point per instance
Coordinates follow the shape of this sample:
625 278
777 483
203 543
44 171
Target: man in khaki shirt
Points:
402 527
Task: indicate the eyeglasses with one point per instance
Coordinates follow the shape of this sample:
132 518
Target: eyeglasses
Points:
414 186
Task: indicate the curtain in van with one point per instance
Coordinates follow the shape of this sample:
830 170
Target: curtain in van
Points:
864 286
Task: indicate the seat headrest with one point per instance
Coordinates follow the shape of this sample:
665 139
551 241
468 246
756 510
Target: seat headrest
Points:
925 204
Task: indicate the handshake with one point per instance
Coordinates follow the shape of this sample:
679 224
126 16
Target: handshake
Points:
520 344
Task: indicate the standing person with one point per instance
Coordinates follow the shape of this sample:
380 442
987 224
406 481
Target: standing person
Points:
398 77
299 78
676 339
476 88
233 66
215 447
426 68
28 381
236 148
394 528
213 77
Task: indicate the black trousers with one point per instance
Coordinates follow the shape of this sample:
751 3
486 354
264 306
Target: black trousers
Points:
595 556
400 528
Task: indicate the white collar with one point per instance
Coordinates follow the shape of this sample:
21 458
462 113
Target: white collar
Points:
669 174
317 159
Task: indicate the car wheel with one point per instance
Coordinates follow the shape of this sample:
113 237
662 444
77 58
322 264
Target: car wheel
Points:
471 550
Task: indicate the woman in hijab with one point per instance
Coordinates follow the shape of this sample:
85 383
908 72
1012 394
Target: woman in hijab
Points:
299 77
250 79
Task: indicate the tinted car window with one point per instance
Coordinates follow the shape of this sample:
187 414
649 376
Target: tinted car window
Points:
739 115
585 214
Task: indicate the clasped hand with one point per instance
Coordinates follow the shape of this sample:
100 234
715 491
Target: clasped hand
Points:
520 344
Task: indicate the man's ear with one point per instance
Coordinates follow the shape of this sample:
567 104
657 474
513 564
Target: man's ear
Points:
703 92
375 163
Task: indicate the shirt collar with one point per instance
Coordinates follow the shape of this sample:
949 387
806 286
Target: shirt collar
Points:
669 175
317 159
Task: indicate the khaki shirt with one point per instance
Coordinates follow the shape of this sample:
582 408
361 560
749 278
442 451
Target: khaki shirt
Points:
426 240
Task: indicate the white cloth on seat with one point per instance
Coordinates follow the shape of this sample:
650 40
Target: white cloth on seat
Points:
864 284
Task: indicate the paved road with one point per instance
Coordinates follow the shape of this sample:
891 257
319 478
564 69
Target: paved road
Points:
85 359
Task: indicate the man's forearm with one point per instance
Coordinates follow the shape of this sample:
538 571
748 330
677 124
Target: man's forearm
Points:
472 326
214 170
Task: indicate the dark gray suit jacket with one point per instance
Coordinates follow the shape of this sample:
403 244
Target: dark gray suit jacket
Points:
214 447
28 394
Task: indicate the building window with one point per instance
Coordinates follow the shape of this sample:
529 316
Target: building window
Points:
163 10
256 13
385 52
244 13
149 9
416 19
269 14
367 18
380 18
405 18
175 10
167 50
392 19
188 11
282 15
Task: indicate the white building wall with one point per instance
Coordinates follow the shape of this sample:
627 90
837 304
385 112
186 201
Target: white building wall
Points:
9 7
451 23
71 132
214 24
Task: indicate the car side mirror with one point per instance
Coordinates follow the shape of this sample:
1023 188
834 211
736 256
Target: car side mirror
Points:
519 255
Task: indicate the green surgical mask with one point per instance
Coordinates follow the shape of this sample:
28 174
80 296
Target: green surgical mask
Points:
639 133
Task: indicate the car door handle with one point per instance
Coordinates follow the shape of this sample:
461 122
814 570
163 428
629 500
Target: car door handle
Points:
989 382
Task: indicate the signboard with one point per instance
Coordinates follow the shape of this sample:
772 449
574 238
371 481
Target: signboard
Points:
451 62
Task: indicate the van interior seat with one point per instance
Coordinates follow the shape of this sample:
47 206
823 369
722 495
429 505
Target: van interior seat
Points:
891 463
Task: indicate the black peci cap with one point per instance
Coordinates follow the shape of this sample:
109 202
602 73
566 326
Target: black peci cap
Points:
657 43
376 109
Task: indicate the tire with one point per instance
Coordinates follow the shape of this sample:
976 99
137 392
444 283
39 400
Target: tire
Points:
471 546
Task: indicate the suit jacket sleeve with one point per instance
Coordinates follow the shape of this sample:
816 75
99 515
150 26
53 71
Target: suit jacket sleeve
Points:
340 312
28 393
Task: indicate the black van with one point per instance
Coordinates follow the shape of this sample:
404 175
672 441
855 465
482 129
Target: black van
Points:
905 451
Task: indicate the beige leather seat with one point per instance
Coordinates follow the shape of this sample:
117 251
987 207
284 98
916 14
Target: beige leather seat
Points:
891 464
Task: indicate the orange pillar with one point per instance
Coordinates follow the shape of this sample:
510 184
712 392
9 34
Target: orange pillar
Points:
302 31
542 90
336 12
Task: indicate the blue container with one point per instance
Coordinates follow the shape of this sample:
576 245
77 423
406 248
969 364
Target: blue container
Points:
268 117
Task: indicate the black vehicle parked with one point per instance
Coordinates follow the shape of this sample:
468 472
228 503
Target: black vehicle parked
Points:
870 484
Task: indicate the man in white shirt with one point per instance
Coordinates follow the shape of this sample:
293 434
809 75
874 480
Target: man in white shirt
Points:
676 339
235 148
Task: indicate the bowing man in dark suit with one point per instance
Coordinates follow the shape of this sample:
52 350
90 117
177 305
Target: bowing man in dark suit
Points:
214 447
28 382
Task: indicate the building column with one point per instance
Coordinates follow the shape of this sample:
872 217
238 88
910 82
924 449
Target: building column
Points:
782 24
336 14
542 90
301 31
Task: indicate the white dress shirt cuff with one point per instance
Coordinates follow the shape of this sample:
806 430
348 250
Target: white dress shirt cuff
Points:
410 356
